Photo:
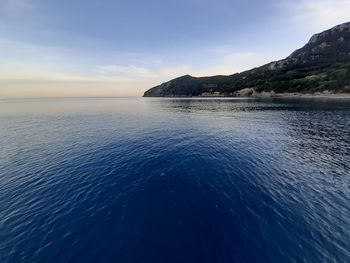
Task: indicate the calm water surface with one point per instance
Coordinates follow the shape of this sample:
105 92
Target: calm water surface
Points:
174 180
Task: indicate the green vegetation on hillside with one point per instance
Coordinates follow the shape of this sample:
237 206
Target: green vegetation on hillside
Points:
323 64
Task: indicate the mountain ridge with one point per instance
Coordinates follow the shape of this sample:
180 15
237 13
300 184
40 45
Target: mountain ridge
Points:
321 65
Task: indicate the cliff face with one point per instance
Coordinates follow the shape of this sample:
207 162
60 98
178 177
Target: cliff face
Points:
323 64
330 46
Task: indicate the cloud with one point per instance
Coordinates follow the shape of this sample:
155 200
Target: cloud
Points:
230 62
176 71
21 71
224 64
241 61
142 73
49 89
125 71
318 15
25 80
23 66
30 80
16 6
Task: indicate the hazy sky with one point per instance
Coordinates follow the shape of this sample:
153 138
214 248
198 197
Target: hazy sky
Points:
69 48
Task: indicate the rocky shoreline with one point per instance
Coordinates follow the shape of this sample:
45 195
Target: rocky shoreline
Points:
269 95
320 68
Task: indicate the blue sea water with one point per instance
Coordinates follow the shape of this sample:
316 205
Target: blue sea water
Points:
174 180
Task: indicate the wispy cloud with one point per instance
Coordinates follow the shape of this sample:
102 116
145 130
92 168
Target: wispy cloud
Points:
51 71
125 71
230 62
318 15
176 71
16 6
141 73
246 60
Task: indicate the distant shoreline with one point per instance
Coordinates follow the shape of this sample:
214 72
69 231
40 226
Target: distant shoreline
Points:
268 95
321 68
306 95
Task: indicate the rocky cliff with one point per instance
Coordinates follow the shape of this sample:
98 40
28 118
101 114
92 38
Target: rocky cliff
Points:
322 65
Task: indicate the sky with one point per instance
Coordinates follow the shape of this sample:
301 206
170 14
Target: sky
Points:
93 48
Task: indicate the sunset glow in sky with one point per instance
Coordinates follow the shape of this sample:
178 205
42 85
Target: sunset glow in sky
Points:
64 48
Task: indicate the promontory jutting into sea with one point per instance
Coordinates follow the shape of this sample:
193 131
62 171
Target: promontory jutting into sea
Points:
249 163
321 67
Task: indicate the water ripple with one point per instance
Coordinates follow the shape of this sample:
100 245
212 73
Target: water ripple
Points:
175 180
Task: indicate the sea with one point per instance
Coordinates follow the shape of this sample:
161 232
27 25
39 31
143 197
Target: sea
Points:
174 180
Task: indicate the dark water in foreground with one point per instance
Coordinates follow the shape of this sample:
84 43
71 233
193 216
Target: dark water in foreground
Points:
174 180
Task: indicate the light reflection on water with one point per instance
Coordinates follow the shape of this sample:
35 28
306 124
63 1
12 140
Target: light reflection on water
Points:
174 180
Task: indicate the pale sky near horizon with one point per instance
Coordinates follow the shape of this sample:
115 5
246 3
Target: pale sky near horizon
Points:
62 48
